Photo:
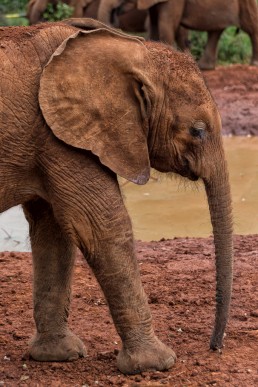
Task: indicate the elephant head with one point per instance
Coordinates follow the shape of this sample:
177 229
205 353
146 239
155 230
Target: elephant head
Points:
137 105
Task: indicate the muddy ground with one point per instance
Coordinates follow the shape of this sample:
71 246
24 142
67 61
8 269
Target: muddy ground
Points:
178 276
235 89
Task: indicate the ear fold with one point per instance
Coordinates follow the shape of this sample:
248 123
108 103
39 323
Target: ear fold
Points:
89 97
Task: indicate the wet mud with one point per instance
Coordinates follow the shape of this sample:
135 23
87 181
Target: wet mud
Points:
235 90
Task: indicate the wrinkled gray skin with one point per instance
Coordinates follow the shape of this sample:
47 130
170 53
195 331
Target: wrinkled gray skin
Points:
96 103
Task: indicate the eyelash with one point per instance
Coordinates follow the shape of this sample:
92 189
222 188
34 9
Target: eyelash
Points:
197 133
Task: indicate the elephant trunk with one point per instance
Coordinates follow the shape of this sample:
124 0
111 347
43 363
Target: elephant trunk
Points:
36 10
106 9
219 199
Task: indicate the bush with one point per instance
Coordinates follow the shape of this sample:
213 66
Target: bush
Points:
7 6
234 46
12 12
60 12
198 41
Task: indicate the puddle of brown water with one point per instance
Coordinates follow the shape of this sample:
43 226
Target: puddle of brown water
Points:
168 208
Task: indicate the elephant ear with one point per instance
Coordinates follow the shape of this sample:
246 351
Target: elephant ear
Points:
91 98
146 4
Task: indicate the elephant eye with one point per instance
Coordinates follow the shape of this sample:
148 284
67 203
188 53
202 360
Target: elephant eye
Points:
197 130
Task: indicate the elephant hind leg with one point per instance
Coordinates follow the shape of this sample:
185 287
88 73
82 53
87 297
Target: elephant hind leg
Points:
249 24
53 259
209 57
162 27
182 39
153 25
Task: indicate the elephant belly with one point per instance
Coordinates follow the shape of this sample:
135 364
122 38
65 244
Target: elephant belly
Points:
210 15
133 21
91 10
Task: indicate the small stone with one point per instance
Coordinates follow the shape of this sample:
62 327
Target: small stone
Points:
156 376
249 371
24 366
24 377
254 313
199 363
194 373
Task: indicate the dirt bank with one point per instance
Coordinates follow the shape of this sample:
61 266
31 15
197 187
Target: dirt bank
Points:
235 89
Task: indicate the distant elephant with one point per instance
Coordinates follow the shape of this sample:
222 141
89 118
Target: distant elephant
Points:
213 16
131 19
108 8
97 103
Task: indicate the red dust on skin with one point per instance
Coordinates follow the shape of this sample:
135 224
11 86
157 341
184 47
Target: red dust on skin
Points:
179 279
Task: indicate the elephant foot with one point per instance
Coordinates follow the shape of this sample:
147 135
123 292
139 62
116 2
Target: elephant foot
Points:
56 347
146 356
206 65
254 62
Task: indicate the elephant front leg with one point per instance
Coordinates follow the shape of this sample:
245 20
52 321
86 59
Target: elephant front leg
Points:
165 18
116 269
209 57
53 259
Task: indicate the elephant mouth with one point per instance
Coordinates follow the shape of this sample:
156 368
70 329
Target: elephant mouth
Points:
190 175
187 172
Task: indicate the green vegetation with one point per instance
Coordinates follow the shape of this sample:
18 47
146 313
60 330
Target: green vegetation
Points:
60 12
13 12
14 6
234 46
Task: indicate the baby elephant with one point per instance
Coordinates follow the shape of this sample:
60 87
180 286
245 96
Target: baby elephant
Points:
81 103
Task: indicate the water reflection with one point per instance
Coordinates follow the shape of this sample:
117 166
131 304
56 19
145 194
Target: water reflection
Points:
14 231
168 208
